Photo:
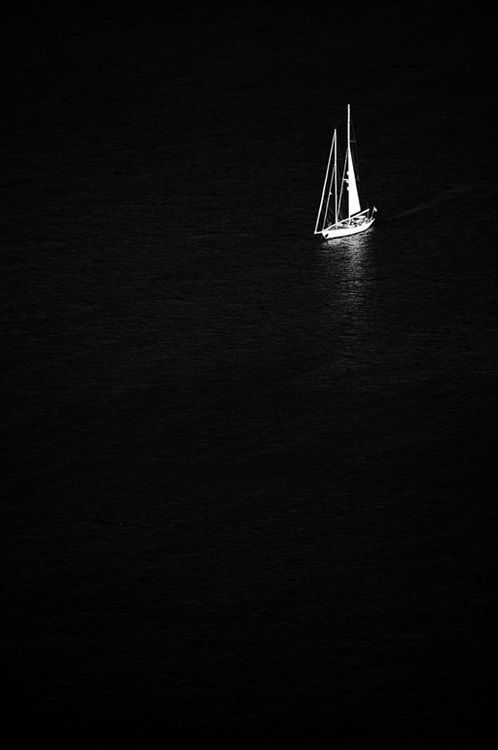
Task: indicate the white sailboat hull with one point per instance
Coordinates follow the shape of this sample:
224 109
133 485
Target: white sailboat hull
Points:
350 226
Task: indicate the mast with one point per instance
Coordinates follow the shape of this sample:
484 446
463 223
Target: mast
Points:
334 141
349 129
353 198
335 179
325 183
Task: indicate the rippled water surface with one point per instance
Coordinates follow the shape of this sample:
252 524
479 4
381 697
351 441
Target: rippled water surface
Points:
249 479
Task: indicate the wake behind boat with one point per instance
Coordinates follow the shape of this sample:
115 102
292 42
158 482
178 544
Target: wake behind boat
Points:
338 216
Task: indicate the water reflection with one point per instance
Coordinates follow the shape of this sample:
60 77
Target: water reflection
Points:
346 271
347 283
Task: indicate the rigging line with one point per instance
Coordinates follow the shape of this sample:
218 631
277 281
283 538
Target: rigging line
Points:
334 139
325 216
342 183
354 151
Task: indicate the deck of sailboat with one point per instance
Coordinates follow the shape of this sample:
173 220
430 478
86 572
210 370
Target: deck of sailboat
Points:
356 219
347 227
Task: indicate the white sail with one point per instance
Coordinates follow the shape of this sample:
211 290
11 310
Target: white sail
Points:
353 198
328 184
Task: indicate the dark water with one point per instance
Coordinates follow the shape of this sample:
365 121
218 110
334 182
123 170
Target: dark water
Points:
250 478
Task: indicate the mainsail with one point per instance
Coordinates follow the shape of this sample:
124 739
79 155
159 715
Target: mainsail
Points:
353 198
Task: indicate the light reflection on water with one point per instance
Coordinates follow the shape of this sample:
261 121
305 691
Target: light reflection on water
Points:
347 282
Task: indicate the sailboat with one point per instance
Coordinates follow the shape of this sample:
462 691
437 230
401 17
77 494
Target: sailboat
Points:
338 216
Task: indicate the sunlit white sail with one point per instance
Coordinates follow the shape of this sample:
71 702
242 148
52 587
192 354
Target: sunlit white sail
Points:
332 221
353 197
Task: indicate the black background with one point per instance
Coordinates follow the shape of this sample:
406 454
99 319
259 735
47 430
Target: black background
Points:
249 493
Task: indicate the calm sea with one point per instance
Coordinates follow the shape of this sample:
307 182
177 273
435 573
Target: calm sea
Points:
250 477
